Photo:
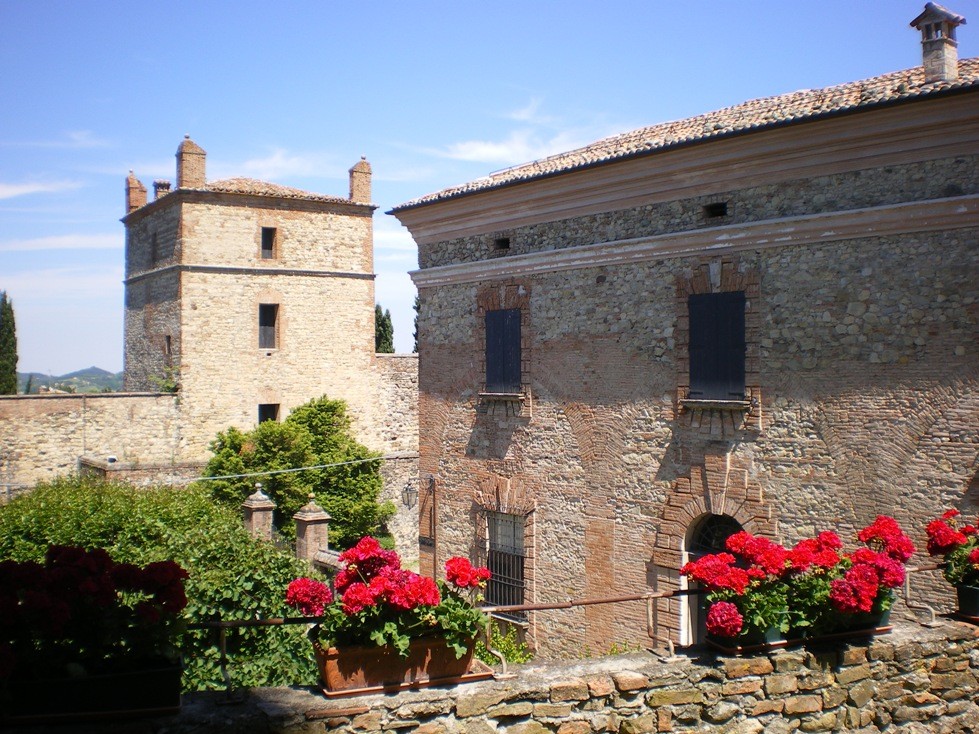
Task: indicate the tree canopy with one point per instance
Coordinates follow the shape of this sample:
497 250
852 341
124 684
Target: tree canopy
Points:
8 347
316 434
383 331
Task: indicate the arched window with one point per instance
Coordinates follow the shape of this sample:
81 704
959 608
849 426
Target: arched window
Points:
707 535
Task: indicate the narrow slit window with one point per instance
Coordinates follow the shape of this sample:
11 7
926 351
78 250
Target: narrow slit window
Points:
268 243
268 412
268 325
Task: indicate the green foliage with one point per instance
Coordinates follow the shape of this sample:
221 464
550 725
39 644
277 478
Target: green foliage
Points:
314 434
507 644
414 334
8 347
383 331
168 382
232 576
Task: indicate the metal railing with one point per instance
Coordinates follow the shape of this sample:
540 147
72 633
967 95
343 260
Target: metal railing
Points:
651 600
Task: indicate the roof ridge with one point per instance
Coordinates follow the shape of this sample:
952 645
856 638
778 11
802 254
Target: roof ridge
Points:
795 106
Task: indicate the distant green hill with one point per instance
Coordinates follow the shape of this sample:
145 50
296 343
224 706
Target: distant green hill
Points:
88 380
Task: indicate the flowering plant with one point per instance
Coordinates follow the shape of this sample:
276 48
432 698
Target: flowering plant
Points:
746 588
82 613
376 601
812 588
959 546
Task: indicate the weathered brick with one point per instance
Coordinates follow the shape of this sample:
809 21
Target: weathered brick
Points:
671 697
741 667
569 690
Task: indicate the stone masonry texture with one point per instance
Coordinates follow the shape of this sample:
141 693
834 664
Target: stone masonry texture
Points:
861 380
916 681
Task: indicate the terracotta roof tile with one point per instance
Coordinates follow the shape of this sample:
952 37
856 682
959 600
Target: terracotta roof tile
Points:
754 114
255 187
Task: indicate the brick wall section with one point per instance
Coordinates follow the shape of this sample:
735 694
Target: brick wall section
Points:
913 680
43 436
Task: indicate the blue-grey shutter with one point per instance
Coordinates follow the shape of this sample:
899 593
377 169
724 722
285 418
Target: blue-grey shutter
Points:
503 350
717 345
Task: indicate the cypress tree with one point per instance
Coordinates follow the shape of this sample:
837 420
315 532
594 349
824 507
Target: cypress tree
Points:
383 331
418 308
8 347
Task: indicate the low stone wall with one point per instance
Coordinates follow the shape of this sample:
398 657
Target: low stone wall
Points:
914 680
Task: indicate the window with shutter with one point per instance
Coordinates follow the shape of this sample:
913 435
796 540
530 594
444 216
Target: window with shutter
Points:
503 351
268 317
717 345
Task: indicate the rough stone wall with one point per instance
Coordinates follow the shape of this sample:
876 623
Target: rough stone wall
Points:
43 436
837 192
866 400
915 680
152 299
396 419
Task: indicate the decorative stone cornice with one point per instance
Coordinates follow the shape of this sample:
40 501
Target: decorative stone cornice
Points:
921 216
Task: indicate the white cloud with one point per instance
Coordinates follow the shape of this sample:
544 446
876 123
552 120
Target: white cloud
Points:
388 236
65 242
282 164
521 146
10 190
530 113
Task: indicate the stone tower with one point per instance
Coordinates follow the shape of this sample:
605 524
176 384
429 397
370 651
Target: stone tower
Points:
251 298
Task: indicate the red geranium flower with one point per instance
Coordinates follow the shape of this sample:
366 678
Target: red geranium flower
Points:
309 596
724 619
461 573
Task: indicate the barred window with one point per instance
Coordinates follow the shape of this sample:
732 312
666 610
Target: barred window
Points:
505 559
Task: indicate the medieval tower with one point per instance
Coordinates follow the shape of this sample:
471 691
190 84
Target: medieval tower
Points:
249 297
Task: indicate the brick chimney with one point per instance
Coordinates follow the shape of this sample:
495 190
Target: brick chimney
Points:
360 181
160 188
939 49
135 193
190 165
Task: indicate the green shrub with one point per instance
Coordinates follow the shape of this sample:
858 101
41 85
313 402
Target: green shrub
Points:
232 576
314 434
507 644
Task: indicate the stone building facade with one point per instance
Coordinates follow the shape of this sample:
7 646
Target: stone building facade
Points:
763 318
248 299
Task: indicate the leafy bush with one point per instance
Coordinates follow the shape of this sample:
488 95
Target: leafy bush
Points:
314 434
232 576
507 644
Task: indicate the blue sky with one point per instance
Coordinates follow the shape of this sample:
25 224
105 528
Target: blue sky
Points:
433 93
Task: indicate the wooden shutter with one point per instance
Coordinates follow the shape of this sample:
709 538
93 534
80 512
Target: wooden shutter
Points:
717 345
503 350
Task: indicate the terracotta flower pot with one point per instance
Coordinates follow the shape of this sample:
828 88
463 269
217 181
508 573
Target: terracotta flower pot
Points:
355 668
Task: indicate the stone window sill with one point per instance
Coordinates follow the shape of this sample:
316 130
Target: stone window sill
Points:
731 405
502 397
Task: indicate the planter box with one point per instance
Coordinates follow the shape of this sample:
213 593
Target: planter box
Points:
151 691
355 669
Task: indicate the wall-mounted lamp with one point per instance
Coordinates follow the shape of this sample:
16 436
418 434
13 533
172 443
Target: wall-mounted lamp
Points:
409 494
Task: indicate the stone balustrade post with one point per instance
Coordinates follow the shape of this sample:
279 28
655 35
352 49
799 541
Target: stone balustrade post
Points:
257 514
312 530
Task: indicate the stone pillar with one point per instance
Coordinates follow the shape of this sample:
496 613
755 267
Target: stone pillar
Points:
135 193
312 530
191 160
360 182
258 509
